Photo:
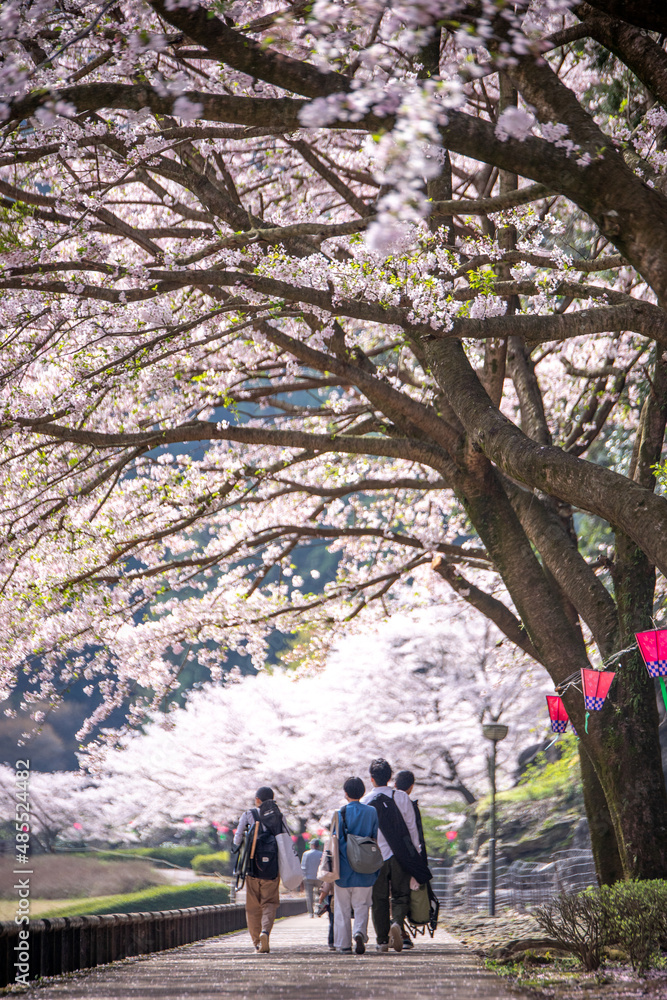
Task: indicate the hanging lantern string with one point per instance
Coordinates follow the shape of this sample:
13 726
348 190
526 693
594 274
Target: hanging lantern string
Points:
554 740
617 656
574 680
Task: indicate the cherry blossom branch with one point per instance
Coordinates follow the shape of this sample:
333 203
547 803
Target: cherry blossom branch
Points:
489 606
412 450
248 56
639 52
609 495
277 234
639 316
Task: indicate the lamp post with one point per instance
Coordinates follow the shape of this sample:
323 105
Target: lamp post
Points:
495 732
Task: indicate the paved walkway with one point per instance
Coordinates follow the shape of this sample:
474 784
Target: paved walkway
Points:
299 967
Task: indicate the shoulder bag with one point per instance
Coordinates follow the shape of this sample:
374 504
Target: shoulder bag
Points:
363 853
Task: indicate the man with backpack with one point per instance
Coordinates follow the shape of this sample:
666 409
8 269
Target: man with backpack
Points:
260 826
359 854
398 839
405 782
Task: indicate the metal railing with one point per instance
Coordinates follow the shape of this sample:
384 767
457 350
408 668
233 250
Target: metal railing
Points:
519 886
65 944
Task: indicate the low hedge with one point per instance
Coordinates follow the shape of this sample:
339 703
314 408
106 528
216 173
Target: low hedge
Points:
176 855
209 864
171 897
632 915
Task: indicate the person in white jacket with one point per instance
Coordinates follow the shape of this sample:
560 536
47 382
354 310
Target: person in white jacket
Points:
391 892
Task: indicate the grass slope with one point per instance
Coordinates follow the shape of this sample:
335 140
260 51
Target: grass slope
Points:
158 898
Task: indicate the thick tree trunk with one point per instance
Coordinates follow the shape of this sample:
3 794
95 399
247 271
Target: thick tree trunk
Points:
622 744
608 864
622 741
556 639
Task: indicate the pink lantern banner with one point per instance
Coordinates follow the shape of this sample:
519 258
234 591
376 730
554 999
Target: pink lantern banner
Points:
557 713
595 685
653 647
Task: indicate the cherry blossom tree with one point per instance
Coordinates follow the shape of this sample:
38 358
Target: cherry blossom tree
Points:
385 278
416 690
70 805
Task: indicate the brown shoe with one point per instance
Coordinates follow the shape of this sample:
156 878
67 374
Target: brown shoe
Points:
263 946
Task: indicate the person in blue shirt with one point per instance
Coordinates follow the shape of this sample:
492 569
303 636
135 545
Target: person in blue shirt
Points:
353 891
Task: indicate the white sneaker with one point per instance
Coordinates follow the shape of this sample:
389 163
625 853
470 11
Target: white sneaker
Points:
395 938
263 946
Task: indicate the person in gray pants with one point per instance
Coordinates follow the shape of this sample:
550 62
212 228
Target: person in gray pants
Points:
310 862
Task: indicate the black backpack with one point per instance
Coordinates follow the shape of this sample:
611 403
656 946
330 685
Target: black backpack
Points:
264 847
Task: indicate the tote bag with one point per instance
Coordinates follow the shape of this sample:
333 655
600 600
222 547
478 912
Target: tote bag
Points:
288 862
329 870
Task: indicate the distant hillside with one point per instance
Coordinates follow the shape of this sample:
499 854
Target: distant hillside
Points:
542 814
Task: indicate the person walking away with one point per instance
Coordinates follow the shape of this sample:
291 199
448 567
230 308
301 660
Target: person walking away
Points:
398 839
262 882
353 891
310 862
405 782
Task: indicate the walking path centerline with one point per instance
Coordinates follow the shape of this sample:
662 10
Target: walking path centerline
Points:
299 967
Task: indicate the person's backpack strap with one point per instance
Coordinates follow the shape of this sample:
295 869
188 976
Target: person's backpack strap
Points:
341 813
254 839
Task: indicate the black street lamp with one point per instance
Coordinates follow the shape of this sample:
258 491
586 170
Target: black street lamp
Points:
494 731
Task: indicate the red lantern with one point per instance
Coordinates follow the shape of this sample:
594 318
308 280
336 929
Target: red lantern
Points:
451 835
595 685
653 647
306 836
77 826
294 838
557 714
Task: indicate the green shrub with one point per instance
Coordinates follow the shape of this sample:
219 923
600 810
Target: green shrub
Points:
173 897
636 918
175 855
209 864
632 915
